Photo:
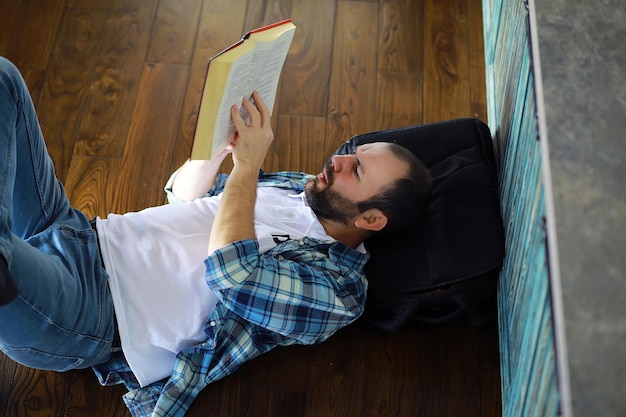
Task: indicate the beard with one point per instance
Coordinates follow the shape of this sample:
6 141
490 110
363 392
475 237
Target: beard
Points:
328 204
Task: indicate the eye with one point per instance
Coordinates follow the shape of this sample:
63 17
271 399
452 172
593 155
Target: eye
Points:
356 169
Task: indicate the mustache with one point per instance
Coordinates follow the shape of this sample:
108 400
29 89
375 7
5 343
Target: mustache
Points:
329 172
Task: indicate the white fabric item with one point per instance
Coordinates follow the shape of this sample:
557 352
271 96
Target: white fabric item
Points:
155 259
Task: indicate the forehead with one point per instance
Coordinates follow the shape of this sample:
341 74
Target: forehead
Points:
375 151
378 159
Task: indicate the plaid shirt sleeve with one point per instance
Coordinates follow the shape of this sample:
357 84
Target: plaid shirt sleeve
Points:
297 294
284 179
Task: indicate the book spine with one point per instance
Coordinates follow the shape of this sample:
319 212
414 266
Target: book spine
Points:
273 25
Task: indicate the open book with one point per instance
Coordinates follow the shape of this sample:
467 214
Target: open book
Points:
253 63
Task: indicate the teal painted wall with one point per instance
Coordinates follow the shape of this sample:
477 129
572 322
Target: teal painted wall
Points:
528 363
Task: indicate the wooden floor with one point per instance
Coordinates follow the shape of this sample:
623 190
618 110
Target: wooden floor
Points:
117 84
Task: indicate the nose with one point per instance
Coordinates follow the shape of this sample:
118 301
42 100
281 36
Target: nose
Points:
343 163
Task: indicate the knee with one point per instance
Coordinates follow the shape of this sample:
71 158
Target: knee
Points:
7 67
10 76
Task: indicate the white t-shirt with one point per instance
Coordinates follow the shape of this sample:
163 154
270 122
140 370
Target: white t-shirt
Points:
155 259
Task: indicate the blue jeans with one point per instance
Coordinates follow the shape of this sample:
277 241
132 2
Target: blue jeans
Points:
63 316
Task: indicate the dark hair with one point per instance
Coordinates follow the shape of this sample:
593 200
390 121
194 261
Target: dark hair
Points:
404 201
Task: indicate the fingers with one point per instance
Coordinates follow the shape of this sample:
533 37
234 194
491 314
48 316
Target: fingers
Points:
258 112
236 116
261 106
255 115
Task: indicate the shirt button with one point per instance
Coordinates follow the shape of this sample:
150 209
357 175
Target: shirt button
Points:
212 323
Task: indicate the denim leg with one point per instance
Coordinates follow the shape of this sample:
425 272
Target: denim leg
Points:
63 316
30 194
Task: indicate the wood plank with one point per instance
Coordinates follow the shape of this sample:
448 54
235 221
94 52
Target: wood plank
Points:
336 374
276 383
34 38
446 66
8 18
276 379
298 145
275 404
67 81
351 108
37 393
152 138
173 31
7 378
222 398
91 4
398 99
212 37
402 23
304 82
490 393
83 400
91 184
451 373
394 378
264 12
283 369
477 79
106 114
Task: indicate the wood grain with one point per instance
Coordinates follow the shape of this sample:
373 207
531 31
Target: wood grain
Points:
37 393
395 377
264 12
88 398
151 138
91 184
351 108
173 31
34 33
299 145
334 369
402 27
107 111
477 79
446 66
304 89
8 18
398 99
66 87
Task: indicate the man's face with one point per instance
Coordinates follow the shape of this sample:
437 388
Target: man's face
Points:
349 179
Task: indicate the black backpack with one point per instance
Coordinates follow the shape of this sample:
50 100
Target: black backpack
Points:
444 268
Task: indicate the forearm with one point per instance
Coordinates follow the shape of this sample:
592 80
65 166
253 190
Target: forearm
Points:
195 177
235 217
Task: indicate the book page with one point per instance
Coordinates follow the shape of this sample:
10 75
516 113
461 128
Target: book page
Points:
236 89
259 70
269 59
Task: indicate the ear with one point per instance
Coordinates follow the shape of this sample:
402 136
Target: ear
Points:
372 220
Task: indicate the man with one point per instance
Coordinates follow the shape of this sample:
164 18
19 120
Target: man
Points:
171 298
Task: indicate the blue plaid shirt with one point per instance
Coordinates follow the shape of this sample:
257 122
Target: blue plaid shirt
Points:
299 292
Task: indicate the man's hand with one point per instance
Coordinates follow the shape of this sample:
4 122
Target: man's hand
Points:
252 141
235 216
